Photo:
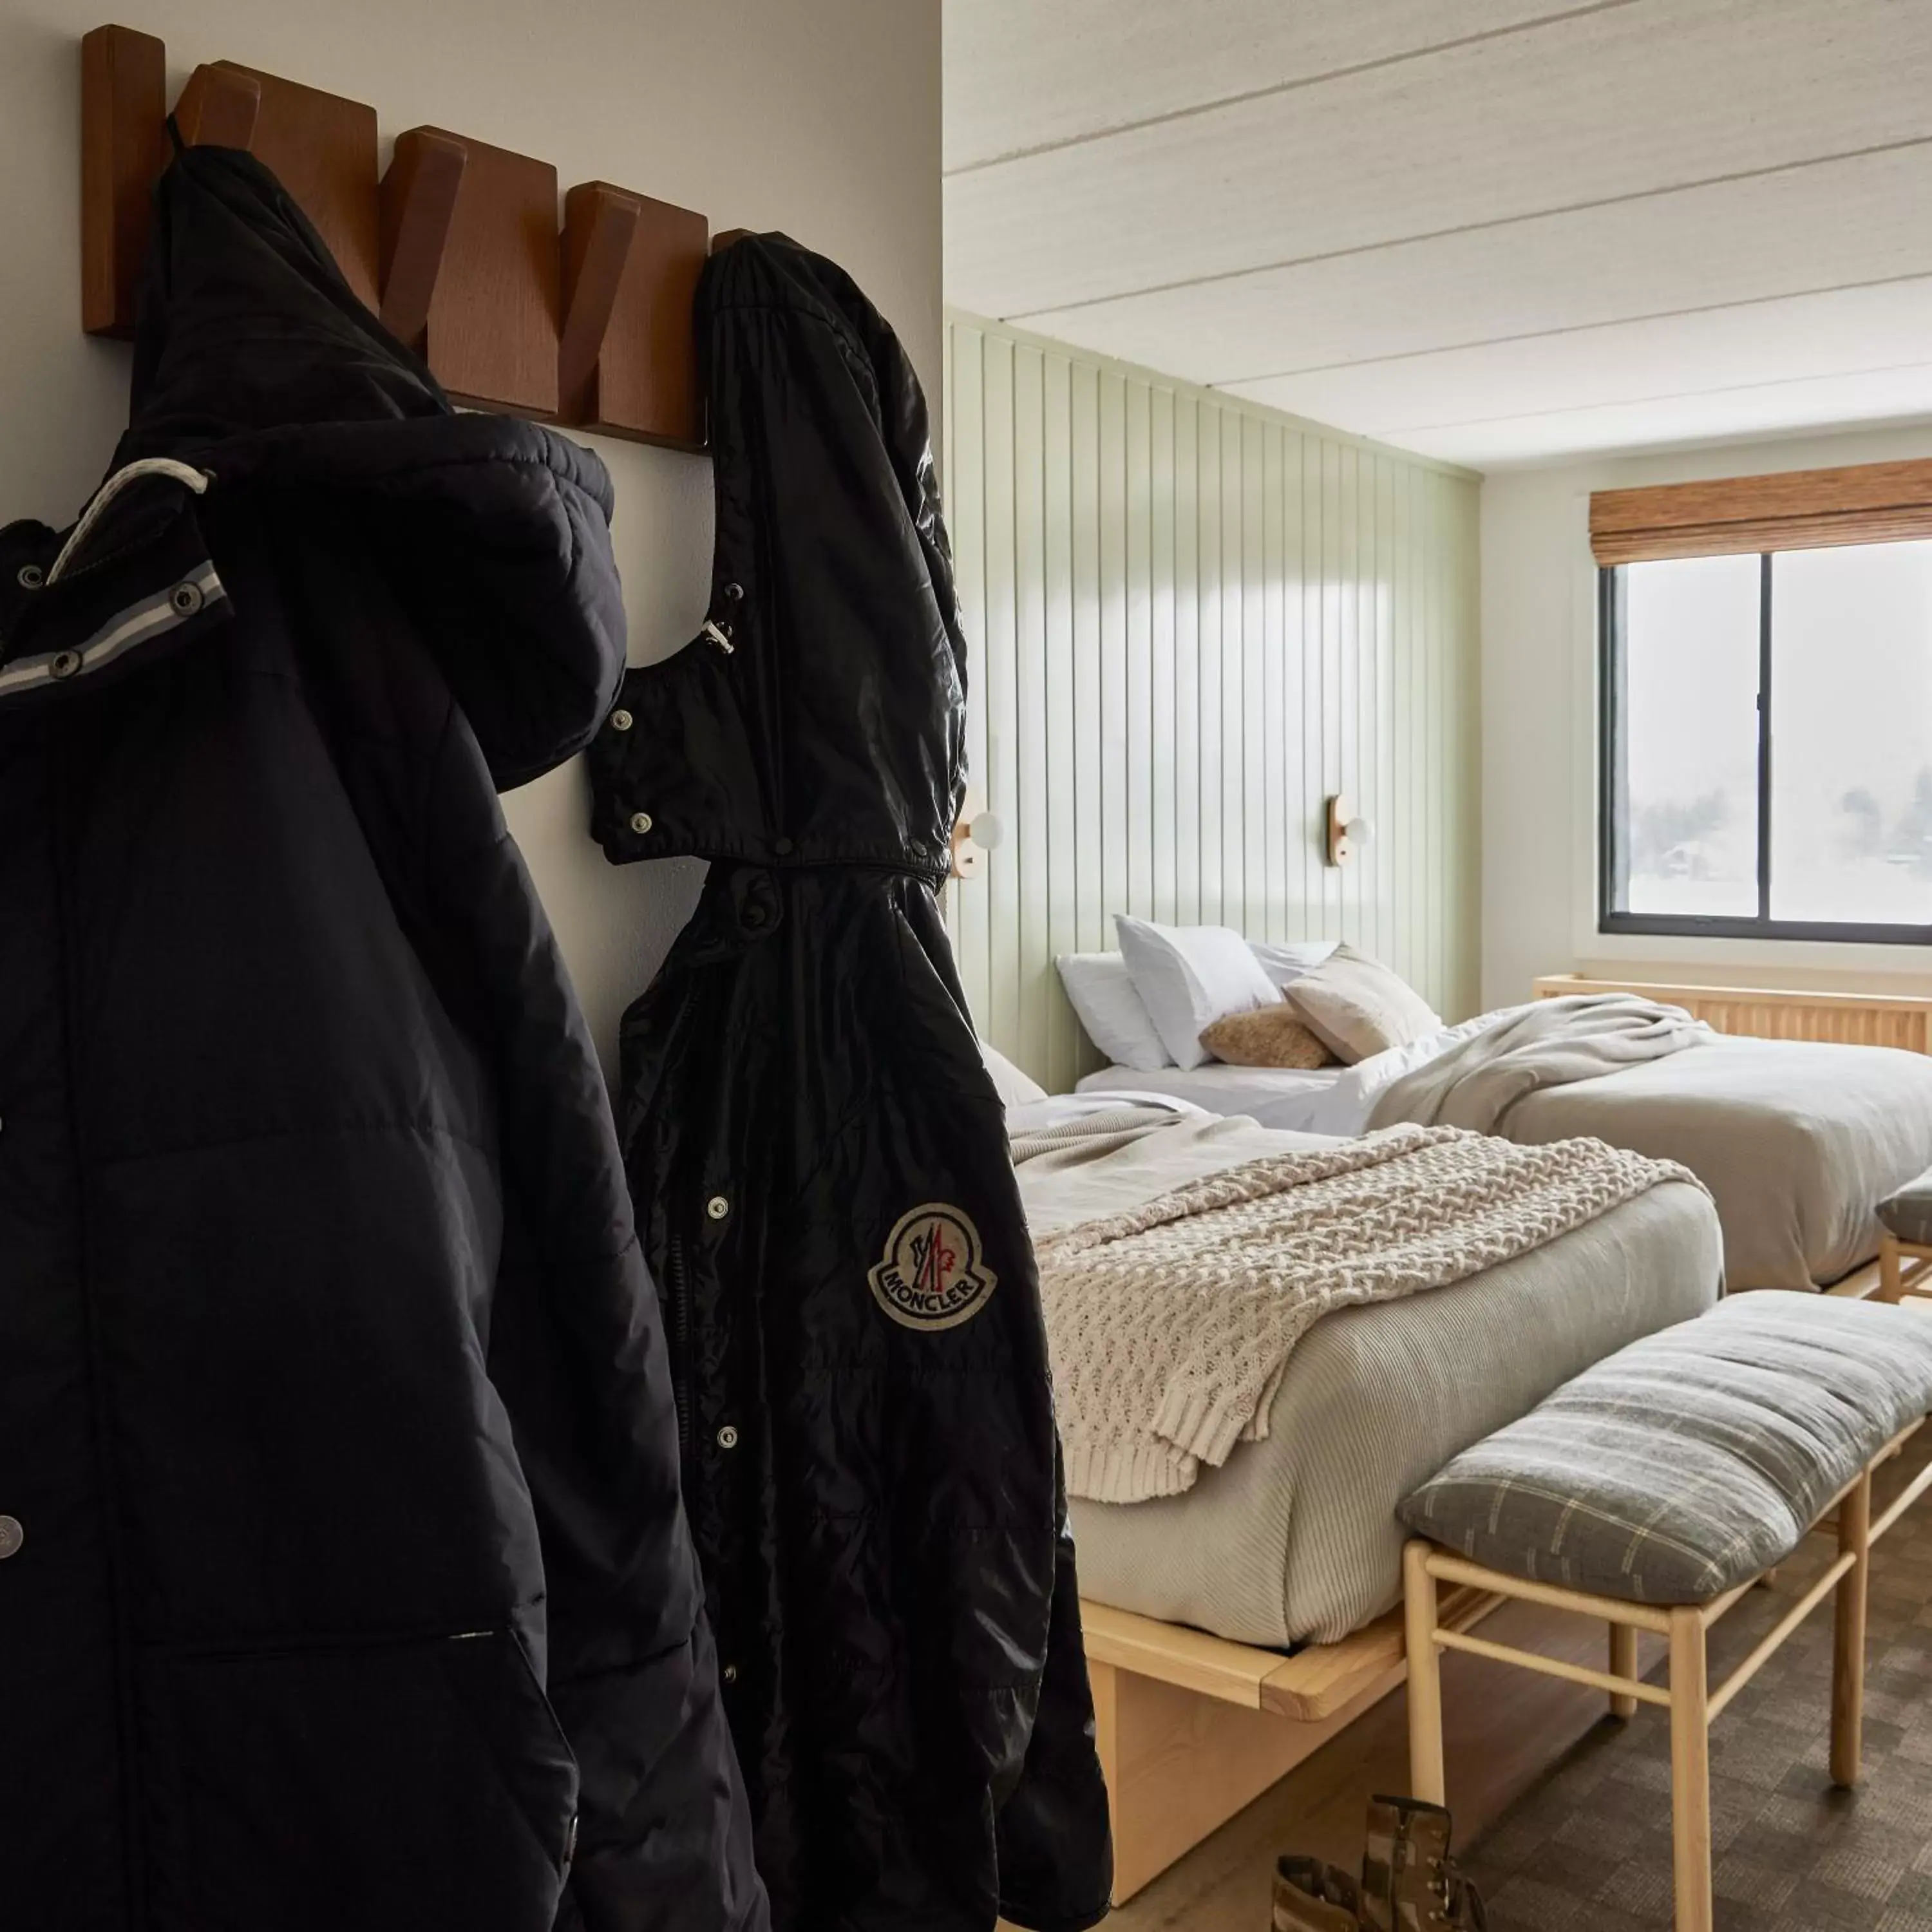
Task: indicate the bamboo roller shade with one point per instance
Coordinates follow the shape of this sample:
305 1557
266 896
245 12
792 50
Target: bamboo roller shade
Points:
1797 509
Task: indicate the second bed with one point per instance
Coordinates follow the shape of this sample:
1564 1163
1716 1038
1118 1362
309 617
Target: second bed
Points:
1797 1141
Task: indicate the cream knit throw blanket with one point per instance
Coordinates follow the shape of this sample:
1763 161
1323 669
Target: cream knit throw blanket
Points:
1170 1326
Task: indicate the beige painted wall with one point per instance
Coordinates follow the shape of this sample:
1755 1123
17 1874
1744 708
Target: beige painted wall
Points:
820 120
1539 735
1190 620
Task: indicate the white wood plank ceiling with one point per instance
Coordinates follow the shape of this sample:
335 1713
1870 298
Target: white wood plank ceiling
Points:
1495 231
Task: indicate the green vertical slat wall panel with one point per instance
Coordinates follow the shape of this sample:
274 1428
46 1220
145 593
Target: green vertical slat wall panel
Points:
1088 892
1032 951
996 772
1163 516
1112 809
1272 726
1254 892
1136 473
1189 621
966 439
1061 832
1315 912
949 902
1186 660
1209 745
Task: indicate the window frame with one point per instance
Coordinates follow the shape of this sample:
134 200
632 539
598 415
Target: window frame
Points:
1612 802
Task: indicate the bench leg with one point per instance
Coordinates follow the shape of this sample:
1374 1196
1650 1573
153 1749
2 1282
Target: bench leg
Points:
1623 1663
1426 1779
1890 1273
1690 1772
1848 1637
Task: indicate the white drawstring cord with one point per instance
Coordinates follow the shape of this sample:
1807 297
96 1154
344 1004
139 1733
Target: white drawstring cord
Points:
183 473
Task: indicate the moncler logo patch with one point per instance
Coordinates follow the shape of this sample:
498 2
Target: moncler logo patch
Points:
931 1275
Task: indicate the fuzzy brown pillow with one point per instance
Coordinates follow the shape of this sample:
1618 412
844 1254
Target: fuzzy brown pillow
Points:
1267 1036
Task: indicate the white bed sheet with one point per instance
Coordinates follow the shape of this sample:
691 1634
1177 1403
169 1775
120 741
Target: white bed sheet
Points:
1286 1098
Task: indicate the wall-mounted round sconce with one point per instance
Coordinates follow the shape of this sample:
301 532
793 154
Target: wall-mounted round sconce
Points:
1347 833
978 833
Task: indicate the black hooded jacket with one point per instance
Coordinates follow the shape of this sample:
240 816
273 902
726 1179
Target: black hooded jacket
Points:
347 1587
823 1174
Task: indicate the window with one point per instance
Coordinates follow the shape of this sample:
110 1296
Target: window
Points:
1767 753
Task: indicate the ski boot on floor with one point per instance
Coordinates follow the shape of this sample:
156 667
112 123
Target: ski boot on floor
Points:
1409 1882
1312 1897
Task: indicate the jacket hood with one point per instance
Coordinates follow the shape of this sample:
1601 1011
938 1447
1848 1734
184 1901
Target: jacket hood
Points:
820 718
255 363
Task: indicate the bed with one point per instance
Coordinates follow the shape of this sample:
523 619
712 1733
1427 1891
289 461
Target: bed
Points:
1798 1140
1233 1629
1295 1539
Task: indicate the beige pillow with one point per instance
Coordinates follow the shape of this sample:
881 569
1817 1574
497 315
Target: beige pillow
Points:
1268 1037
1357 1006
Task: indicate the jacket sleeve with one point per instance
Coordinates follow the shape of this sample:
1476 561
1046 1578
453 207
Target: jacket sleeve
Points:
576 1350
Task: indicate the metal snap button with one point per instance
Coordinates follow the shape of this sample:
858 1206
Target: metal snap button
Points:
732 592
30 577
186 598
728 1437
11 1537
640 823
730 1673
717 1207
65 664
621 720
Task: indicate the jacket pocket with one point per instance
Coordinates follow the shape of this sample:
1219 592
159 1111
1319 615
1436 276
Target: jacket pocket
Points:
390 1785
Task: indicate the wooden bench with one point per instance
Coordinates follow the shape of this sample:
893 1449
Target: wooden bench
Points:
1902 1266
1652 1493
1693 1705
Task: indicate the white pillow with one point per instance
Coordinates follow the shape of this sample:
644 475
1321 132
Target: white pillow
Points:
1189 976
1116 1019
1283 964
1016 1089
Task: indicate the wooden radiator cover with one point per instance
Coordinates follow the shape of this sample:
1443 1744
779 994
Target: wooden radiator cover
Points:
1765 1013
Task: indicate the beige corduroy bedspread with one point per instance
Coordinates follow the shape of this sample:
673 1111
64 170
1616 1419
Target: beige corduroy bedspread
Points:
1170 1324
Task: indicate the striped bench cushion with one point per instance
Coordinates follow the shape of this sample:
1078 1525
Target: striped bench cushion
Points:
1692 1460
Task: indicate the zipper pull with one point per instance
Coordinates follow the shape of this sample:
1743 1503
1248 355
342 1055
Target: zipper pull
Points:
718 636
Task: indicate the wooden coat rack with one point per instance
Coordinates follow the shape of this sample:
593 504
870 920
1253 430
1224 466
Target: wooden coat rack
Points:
458 247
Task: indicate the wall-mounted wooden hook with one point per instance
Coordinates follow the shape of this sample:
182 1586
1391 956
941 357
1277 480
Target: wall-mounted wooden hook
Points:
600 222
419 195
321 148
123 144
628 359
220 107
491 332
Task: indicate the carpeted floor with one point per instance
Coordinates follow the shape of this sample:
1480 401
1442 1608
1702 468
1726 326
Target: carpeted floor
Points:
1588 1848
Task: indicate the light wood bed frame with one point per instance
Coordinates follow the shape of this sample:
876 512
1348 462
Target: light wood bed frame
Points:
1193 1727
1767 1012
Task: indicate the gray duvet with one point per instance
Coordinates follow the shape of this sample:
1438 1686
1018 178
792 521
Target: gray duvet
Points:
1797 1141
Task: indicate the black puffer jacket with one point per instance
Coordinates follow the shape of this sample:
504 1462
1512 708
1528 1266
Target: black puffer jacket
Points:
334 1421
822 1169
